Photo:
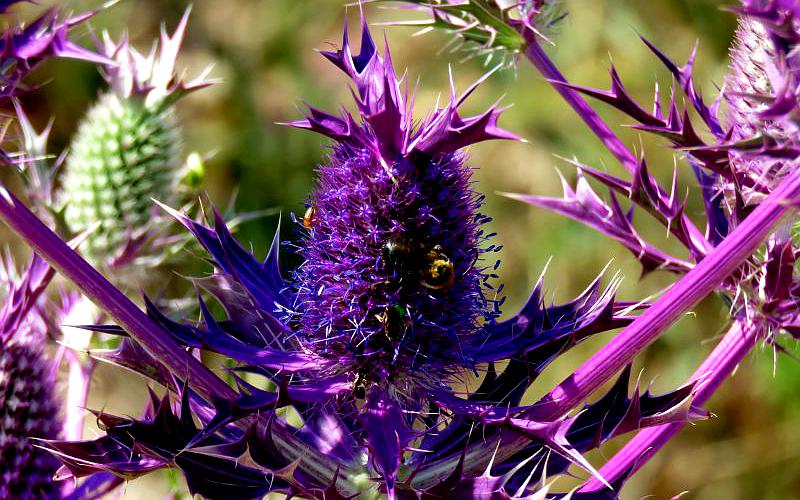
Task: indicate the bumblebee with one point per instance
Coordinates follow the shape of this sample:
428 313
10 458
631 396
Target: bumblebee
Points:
403 255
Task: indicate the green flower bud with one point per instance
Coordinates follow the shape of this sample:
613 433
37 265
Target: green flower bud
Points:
123 155
127 151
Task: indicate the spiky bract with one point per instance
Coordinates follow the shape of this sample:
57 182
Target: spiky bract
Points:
489 27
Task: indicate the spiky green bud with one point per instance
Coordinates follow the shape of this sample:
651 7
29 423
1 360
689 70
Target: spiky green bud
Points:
124 154
127 150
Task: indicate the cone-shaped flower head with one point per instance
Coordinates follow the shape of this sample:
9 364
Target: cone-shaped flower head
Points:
393 278
128 148
27 405
748 85
761 91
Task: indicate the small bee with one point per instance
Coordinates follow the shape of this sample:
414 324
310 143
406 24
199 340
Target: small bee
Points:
310 217
438 272
400 252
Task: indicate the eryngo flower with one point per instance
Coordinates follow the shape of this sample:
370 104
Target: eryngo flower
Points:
394 277
760 91
391 308
127 150
28 407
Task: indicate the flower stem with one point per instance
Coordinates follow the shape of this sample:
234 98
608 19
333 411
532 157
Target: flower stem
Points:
720 364
537 56
80 374
707 275
694 238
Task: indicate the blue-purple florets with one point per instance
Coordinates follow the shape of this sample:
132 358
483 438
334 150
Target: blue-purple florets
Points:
28 403
363 300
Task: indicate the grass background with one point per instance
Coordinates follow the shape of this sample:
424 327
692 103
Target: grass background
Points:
263 51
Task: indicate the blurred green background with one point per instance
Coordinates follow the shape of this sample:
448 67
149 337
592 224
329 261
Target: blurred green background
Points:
264 53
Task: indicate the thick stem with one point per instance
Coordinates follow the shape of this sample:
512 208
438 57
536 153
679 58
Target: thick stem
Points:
80 373
81 367
719 365
539 59
682 296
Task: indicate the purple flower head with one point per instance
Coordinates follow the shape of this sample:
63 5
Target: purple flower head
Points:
28 407
763 111
394 277
761 91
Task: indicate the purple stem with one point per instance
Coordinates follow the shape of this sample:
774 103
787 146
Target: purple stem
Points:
138 325
537 56
539 59
682 296
74 408
719 365
80 375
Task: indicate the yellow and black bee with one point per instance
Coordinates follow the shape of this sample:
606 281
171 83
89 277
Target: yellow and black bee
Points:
403 255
